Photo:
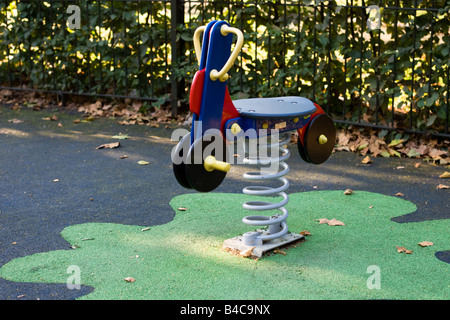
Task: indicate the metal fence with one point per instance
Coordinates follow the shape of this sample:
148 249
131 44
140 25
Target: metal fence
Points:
380 64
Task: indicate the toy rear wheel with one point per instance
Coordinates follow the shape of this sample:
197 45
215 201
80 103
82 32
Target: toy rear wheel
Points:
197 175
179 154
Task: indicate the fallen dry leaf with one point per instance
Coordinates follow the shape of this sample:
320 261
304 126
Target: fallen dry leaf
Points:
348 191
55 180
366 160
123 157
322 220
442 186
121 136
182 209
399 194
403 250
247 253
396 142
425 243
129 279
143 163
279 251
109 145
436 153
15 121
445 175
332 222
52 118
305 233
88 119
417 165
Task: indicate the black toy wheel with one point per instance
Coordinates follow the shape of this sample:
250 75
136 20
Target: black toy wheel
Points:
198 177
302 151
179 154
319 139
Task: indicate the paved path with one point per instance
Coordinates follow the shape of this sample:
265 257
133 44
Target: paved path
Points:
53 176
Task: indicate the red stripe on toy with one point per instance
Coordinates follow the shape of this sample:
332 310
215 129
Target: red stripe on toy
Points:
195 94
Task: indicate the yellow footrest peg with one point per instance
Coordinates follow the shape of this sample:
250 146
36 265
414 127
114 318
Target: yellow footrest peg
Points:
211 163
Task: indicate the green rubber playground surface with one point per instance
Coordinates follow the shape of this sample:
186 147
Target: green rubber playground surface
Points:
184 259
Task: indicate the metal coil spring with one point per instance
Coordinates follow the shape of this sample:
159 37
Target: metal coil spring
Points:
276 223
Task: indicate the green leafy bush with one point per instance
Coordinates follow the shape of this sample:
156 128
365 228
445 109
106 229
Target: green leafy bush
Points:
395 75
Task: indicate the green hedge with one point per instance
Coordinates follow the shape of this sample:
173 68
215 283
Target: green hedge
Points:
112 52
321 50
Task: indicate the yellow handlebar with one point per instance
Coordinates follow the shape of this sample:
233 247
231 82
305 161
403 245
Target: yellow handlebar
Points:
197 46
222 75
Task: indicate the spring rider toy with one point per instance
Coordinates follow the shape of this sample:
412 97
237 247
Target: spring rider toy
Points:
203 157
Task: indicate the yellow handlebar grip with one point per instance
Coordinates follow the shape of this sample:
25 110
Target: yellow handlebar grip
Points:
222 74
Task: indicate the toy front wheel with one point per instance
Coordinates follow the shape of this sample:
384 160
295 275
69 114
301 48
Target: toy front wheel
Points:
318 141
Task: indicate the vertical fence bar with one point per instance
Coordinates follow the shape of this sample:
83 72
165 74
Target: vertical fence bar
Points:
430 67
329 61
256 48
284 43
139 75
152 77
447 116
413 68
361 52
314 54
394 67
345 61
377 70
113 51
297 47
8 53
168 68
88 53
269 56
30 61
20 62
125 48
241 60
177 18
100 62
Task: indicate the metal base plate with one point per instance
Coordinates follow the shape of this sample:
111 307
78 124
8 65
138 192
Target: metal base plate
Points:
237 243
